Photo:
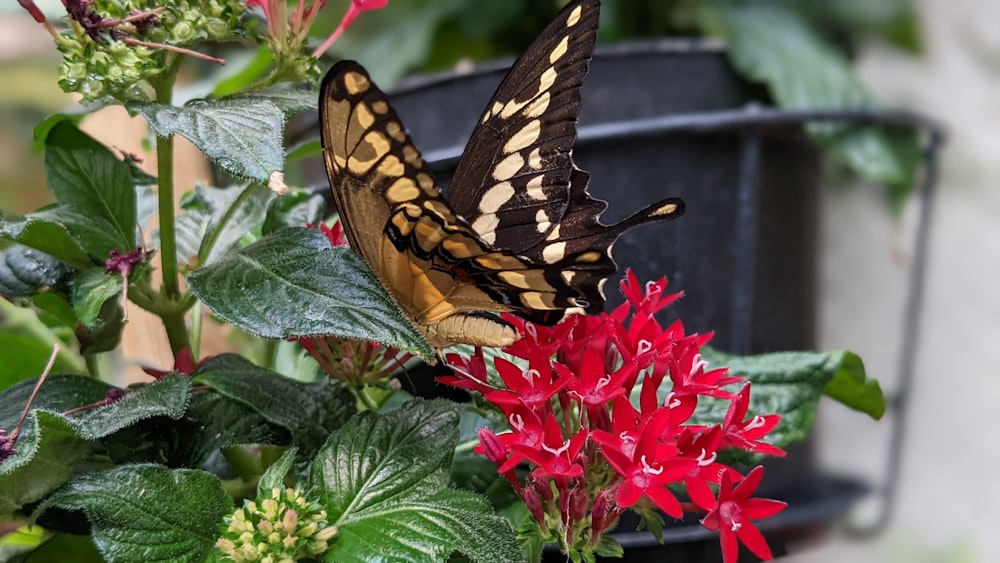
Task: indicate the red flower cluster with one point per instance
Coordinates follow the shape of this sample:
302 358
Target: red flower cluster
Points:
593 454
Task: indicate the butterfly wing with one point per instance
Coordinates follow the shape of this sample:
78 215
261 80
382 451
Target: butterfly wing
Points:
396 219
516 184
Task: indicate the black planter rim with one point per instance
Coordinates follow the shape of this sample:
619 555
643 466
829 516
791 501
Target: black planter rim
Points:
650 47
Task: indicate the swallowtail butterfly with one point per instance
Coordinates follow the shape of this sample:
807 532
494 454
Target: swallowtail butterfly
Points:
517 232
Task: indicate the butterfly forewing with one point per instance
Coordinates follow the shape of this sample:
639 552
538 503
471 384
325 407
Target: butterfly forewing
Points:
513 181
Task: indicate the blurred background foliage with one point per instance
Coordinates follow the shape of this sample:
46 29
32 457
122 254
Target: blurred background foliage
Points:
433 35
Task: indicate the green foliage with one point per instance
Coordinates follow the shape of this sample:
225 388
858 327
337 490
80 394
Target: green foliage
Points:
383 482
293 284
775 46
152 472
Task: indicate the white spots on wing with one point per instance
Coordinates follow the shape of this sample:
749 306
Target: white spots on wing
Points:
524 138
485 226
538 107
554 235
560 50
535 159
495 197
574 16
507 167
542 223
547 79
534 188
554 252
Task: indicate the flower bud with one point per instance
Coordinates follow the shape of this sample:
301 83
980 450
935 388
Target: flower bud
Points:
534 504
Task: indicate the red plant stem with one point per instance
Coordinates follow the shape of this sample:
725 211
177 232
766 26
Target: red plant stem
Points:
181 50
34 393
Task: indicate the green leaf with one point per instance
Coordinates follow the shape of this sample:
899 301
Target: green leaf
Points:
63 233
49 237
305 149
213 421
24 354
771 44
59 393
274 477
108 332
215 219
242 135
167 397
291 283
87 177
851 385
791 384
41 131
310 411
23 270
383 482
63 548
91 290
46 451
256 67
148 512
290 99
294 209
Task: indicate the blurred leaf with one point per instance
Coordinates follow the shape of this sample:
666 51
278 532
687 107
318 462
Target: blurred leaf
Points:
291 283
214 220
125 504
63 548
256 67
310 411
383 482
91 290
87 177
41 131
790 384
294 209
304 150
24 270
213 421
773 45
243 136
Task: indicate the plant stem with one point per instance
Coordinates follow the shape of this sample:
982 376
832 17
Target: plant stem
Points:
93 366
173 322
366 399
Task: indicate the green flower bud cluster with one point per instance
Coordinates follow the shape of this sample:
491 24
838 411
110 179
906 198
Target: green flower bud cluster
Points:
114 64
281 528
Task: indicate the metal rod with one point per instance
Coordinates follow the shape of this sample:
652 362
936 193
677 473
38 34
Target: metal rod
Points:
707 122
745 243
908 347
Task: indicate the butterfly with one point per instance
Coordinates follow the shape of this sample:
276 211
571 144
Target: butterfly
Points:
516 232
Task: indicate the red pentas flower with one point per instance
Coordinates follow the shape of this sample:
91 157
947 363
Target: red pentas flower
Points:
570 399
732 512
745 434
